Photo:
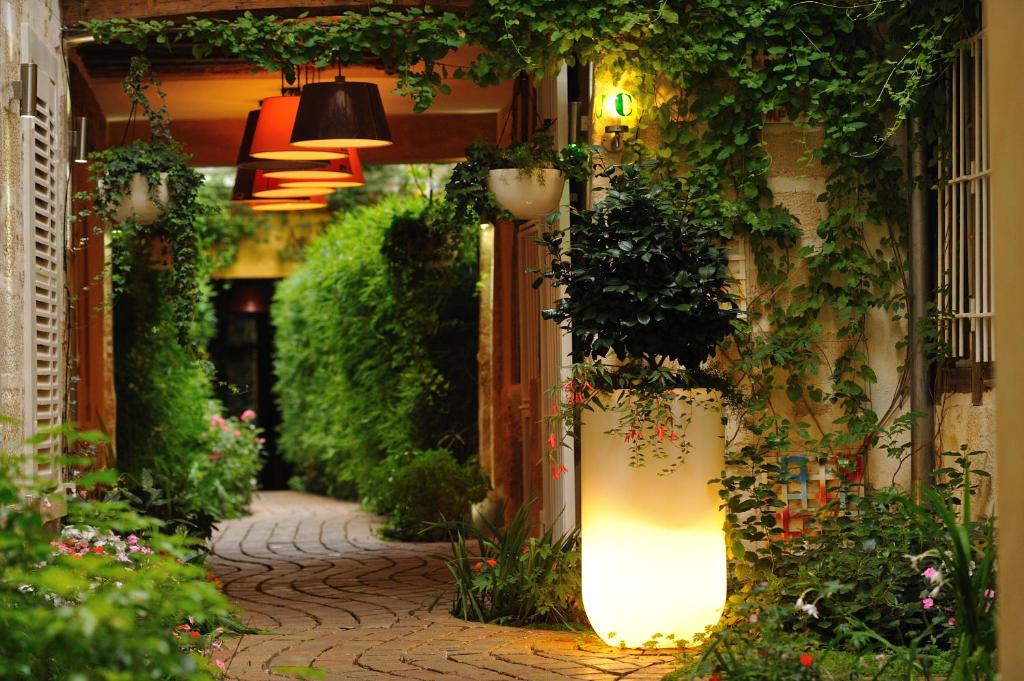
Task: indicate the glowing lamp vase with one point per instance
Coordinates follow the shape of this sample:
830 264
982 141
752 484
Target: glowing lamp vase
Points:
654 559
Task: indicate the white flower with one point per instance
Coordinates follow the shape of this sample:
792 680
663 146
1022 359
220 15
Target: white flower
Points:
808 608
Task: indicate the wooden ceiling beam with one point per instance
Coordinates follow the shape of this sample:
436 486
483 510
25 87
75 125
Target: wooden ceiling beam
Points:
423 138
75 11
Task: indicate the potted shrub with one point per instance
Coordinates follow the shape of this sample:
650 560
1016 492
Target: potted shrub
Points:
645 295
524 180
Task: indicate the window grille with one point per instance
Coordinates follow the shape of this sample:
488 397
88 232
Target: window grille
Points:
964 298
44 188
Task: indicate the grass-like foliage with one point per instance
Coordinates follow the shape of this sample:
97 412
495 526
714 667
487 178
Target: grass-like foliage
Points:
506 576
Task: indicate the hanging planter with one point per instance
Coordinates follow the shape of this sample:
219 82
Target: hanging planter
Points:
654 558
140 201
527 194
524 181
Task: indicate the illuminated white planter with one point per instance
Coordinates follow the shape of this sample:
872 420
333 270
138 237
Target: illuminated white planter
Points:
138 201
653 545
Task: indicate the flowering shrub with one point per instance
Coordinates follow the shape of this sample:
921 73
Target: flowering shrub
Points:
104 597
505 576
234 460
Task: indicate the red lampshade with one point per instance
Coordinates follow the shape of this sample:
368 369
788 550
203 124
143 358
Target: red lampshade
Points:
264 187
342 173
294 205
245 159
271 138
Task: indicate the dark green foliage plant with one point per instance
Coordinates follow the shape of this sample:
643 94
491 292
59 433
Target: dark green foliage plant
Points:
376 343
646 296
161 160
506 576
467 187
418 489
110 596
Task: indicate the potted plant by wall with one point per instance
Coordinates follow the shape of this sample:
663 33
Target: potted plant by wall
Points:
524 180
646 296
146 195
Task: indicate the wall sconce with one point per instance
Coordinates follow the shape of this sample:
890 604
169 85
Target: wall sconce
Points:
79 148
617 106
26 89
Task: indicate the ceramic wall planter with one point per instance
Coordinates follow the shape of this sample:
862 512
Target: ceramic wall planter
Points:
527 195
654 558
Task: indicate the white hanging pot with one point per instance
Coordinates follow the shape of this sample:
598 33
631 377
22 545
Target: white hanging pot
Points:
528 195
653 544
137 202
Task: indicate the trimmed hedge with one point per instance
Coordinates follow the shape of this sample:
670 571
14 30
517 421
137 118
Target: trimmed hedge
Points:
376 344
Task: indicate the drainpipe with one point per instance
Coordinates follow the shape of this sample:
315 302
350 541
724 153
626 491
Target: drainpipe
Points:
922 432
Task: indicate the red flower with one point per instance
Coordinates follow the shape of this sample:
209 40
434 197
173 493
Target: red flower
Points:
806 659
194 634
491 562
715 677
557 471
97 549
478 566
183 627
661 432
551 440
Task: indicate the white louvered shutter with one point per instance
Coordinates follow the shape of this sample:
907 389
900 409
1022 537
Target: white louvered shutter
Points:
44 191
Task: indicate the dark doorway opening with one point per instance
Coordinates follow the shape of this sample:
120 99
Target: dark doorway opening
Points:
243 356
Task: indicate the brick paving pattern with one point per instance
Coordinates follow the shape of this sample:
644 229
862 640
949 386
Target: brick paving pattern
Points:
326 593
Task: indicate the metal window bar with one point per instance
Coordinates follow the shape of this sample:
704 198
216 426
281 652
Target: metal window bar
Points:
964 231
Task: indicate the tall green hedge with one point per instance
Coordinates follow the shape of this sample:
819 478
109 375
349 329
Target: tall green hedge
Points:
376 343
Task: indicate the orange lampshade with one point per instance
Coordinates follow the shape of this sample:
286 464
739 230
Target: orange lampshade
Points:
342 173
264 187
283 206
271 139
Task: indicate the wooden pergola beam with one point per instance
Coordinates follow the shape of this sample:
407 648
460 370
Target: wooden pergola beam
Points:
74 11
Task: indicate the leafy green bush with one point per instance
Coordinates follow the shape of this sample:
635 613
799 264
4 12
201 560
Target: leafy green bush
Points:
376 343
505 576
418 488
111 597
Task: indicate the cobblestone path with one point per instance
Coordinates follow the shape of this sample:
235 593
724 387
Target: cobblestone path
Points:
331 596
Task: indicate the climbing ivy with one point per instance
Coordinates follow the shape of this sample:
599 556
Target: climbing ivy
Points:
710 75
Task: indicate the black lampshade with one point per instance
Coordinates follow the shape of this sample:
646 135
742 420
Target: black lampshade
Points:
249 163
341 114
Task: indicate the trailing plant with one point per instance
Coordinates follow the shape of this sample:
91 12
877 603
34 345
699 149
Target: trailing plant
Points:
108 596
467 187
161 160
418 489
506 576
647 300
381 318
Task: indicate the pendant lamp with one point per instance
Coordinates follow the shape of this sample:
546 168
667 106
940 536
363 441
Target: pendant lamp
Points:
348 172
270 139
287 206
340 114
245 159
254 188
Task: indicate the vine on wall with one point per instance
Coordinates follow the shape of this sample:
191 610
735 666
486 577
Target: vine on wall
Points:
711 74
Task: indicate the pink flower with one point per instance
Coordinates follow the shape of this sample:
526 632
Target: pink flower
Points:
217 421
952 621
132 539
219 663
927 603
214 456
931 574
990 593
248 415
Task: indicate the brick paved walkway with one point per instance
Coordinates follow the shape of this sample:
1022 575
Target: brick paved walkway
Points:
311 571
